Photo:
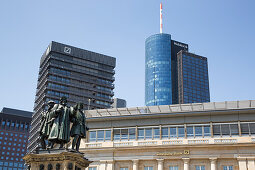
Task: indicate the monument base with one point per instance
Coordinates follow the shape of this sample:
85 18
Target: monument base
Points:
56 159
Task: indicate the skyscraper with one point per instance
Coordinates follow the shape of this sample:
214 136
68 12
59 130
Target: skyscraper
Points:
193 83
14 130
80 75
162 73
158 81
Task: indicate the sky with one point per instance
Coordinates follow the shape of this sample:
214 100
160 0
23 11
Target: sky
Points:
222 31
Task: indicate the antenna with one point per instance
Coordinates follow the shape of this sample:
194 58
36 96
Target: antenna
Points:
161 24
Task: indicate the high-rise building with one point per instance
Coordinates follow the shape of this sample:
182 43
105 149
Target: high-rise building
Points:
161 70
78 74
175 48
193 83
119 103
158 81
14 131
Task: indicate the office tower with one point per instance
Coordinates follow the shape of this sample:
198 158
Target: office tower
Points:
14 130
161 70
193 83
158 81
119 103
78 74
175 48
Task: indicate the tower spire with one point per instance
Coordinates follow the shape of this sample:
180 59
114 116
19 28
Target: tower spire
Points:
161 24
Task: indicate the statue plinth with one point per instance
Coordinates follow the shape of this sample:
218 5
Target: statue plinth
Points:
56 159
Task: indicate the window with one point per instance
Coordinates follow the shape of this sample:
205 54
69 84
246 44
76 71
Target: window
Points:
123 168
248 128
173 168
225 129
124 134
227 167
148 168
92 168
200 167
92 136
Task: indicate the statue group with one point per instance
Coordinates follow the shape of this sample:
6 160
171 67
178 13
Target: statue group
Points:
55 125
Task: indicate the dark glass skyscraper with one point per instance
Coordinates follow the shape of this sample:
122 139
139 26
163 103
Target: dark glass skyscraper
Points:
78 74
158 83
193 83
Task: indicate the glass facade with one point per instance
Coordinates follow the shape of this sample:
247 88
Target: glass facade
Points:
193 82
158 84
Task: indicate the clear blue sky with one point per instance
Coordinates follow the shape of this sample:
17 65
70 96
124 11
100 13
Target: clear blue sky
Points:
222 31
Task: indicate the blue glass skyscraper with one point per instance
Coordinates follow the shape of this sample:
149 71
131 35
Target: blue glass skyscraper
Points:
158 84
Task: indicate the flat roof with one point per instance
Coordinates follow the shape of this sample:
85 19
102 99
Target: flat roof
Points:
16 112
176 108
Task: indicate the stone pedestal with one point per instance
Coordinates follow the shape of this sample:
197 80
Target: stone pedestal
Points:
56 160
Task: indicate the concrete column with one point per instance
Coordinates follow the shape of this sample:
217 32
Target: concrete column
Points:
213 163
186 163
110 165
135 164
160 164
102 165
251 163
242 163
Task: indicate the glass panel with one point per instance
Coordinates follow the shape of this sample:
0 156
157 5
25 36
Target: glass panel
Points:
173 168
148 133
116 134
164 132
245 129
124 134
190 132
107 135
198 130
216 130
173 133
123 168
207 131
156 133
140 133
148 168
92 136
100 135
234 129
181 132
252 128
225 129
131 133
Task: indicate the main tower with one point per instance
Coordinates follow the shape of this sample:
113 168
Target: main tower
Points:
158 84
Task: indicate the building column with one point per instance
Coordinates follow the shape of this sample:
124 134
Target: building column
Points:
110 165
213 163
242 163
251 163
102 165
135 164
186 163
160 164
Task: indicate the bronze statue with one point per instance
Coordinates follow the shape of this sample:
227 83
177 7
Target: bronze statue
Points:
79 127
45 127
60 131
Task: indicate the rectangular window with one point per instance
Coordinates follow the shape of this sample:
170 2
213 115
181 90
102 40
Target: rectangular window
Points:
107 135
148 168
198 131
207 130
92 168
92 136
100 135
123 168
156 133
124 134
190 132
164 132
148 133
173 132
181 132
131 132
227 167
140 133
245 129
234 129
173 168
116 134
200 167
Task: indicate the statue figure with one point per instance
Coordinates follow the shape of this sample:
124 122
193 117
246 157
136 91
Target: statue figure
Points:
60 131
45 127
79 127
